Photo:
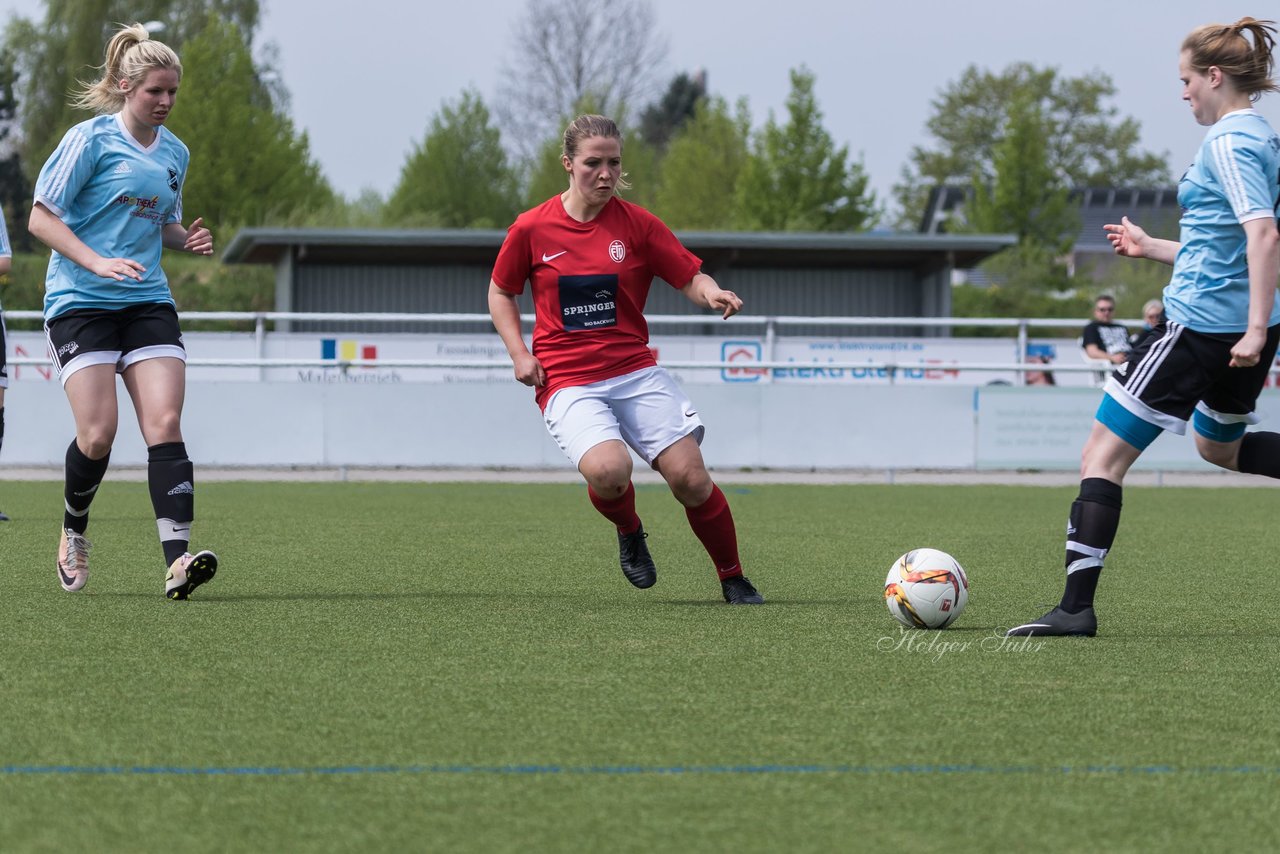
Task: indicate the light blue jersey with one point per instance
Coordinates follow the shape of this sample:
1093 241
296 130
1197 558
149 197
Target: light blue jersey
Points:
6 250
116 195
1235 178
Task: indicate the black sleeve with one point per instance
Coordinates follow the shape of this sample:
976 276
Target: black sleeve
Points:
1091 336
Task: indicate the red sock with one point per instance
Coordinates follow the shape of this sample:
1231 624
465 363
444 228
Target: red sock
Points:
621 511
712 522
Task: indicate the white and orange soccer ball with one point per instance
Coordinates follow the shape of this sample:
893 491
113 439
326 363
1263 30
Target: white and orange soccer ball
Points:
926 589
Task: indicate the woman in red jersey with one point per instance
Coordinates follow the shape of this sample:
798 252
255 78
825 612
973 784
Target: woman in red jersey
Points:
590 258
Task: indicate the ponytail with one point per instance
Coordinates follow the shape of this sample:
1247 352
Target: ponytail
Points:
130 55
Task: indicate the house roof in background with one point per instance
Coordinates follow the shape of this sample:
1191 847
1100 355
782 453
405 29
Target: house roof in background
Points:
717 249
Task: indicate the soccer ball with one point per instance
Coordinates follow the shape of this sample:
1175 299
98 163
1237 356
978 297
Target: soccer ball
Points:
926 589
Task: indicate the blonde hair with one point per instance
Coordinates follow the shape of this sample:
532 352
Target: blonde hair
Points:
1247 61
130 55
587 126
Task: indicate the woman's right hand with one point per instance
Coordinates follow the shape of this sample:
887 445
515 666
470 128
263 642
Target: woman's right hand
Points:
1126 239
118 269
529 370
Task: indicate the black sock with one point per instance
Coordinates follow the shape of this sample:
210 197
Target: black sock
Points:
1260 454
1095 516
171 479
81 479
1 426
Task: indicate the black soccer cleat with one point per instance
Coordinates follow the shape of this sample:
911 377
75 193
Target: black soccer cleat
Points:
3 518
1059 622
637 563
739 591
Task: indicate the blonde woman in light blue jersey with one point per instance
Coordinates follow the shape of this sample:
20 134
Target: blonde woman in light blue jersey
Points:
6 262
108 202
1208 360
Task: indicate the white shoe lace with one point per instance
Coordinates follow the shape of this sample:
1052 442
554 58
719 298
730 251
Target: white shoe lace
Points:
77 551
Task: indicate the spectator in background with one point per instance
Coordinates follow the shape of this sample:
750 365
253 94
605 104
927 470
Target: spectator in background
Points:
1103 339
6 262
1040 354
1040 377
1152 317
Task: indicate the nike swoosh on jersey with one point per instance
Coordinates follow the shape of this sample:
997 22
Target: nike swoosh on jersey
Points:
546 257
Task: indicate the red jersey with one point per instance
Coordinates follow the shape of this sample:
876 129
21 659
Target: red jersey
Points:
590 283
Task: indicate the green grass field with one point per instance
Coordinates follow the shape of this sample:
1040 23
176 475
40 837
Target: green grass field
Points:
463 668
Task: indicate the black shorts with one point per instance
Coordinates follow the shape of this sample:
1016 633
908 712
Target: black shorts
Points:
121 337
4 360
1175 372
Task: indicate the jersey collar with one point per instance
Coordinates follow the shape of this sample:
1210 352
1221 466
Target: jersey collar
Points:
129 138
1247 111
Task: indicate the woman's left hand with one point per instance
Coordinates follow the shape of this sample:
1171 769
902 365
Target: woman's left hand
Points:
199 239
726 302
1248 350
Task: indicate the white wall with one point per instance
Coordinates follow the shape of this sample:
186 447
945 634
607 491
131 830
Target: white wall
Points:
497 425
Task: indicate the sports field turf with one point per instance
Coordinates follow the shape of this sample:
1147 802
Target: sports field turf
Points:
458 667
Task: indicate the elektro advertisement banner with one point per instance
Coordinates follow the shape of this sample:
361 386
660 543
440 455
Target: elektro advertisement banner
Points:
440 358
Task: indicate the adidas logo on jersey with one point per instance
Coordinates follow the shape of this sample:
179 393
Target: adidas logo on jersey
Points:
122 168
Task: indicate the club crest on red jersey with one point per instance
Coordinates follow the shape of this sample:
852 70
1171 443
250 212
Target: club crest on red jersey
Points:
617 251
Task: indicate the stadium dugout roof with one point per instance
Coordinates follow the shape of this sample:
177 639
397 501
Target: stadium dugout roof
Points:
718 250
877 274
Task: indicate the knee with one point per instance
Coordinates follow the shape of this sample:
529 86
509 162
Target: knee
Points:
608 478
1223 456
95 441
164 427
691 485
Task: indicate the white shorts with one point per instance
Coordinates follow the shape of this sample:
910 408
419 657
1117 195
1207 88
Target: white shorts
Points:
647 409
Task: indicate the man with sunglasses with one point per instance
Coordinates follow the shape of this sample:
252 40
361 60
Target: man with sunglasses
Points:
1102 338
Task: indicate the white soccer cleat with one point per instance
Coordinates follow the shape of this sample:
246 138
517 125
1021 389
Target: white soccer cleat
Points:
189 572
73 560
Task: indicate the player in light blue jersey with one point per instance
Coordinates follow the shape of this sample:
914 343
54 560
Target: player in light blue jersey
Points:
1209 360
6 262
107 202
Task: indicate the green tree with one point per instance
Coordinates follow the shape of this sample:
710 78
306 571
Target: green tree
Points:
702 166
248 163
1088 143
796 179
544 173
53 56
15 189
662 119
642 165
459 176
1024 195
1010 300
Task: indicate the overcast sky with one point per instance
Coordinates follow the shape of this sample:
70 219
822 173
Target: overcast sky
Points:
366 77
